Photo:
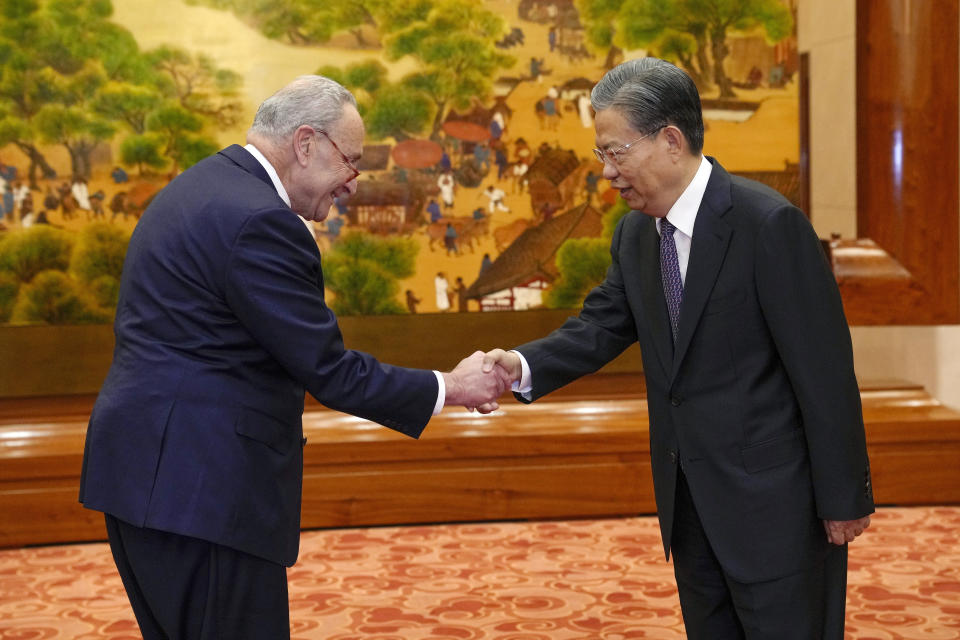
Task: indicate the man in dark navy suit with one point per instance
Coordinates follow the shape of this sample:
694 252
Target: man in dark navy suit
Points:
195 445
756 433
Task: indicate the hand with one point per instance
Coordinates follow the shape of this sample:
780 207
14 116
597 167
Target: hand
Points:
509 361
468 384
844 531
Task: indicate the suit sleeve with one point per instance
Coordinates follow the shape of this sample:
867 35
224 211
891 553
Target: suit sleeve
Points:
802 307
274 284
604 328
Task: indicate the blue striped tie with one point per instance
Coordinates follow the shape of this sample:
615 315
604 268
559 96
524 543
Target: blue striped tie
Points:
670 272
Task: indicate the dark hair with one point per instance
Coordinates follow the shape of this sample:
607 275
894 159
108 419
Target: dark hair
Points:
652 93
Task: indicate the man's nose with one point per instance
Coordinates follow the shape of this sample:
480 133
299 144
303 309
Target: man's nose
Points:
610 171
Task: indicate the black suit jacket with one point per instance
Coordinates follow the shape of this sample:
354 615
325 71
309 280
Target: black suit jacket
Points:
220 328
757 400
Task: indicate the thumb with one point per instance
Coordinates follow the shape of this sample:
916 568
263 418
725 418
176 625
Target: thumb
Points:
490 359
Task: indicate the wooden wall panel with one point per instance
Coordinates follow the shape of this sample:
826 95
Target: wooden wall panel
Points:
907 167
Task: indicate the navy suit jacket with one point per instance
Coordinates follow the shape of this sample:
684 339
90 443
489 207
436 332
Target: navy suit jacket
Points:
220 328
757 400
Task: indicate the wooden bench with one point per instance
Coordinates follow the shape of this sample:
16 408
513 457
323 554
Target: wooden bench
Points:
584 453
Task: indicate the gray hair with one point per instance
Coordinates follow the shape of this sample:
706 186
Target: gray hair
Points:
652 93
309 100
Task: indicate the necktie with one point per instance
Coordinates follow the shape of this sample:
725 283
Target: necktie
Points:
670 273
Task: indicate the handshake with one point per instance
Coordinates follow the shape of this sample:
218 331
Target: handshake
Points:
481 378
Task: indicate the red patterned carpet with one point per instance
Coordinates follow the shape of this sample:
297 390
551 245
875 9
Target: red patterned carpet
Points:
508 581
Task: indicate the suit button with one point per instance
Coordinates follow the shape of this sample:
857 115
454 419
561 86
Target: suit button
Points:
675 401
673 456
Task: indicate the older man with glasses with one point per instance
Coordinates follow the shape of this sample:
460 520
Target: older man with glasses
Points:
756 435
194 449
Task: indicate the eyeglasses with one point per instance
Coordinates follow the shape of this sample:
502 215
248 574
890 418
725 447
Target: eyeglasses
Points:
343 156
613 155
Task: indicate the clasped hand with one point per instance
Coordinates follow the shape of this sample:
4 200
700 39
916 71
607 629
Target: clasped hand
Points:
478 380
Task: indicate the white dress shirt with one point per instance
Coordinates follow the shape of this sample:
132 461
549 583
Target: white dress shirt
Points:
682 215
282 192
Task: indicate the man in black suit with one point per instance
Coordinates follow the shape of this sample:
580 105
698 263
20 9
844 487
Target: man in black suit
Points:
756 433
194 449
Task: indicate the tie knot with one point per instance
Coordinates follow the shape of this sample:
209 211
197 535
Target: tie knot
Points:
666 228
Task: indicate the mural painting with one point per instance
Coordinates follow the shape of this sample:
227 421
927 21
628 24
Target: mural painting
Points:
479 189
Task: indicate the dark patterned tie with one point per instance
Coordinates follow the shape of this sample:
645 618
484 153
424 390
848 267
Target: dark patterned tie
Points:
670 272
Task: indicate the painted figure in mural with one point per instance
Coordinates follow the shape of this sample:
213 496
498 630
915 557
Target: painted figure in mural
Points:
757 441
447 186
80 193
584 111
495 197
450 240
194 449
412 301
119 175
500 158
460 291
520 180
485 263
50 200
441 285
434 210
481 153
590 186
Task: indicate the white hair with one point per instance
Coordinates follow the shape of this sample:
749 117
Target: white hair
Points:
309 100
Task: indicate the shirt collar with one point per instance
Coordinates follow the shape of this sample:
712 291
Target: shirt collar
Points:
683 213
274 178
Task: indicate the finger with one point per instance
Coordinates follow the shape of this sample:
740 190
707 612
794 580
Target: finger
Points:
488 407
491 358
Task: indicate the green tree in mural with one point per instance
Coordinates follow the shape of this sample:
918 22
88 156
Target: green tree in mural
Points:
69 76
684 30
9 287
128 103
454 46
388 109
363 273
58 53
299 22
180 132
143 151
53 297
583 263
97 261
69 122
198 85
26 252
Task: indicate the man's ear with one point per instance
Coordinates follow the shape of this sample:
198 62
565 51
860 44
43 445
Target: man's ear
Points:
677 144
303 143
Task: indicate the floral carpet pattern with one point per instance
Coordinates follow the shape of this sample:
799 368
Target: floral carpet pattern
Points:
507 581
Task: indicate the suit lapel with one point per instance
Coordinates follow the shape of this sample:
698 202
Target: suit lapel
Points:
643 235
711 237
245 159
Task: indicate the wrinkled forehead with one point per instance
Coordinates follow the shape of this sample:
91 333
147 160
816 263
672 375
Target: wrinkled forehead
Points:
613 128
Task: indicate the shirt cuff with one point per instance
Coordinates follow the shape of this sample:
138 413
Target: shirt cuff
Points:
524 385
441 393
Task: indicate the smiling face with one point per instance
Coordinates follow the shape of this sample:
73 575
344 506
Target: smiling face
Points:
650 173
326 165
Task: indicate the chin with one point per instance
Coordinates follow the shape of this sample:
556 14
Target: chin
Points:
322 211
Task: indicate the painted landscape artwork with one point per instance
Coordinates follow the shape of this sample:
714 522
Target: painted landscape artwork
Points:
479 189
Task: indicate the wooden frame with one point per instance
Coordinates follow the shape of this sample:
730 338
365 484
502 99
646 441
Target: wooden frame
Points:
905 266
